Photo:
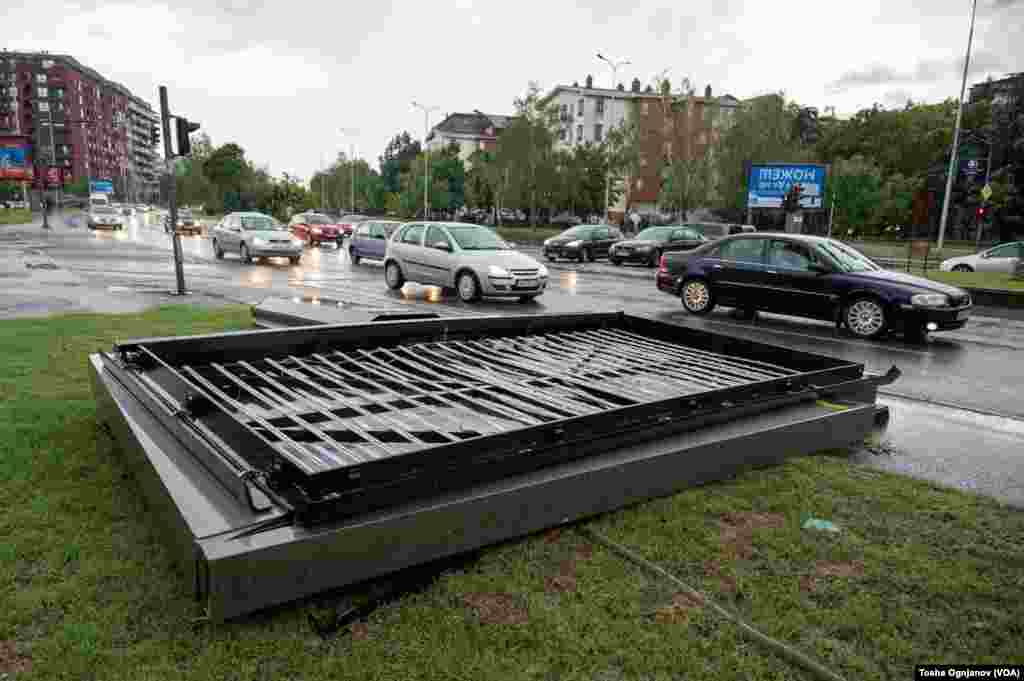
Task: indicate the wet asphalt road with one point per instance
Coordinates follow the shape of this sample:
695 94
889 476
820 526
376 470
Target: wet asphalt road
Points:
950 407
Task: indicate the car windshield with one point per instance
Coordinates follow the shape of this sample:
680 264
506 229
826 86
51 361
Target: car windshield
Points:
849 260
353 218
655 233
317 220
476 238
712 230
105 210
257 223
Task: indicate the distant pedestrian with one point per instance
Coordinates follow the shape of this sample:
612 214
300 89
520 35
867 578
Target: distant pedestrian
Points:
634 217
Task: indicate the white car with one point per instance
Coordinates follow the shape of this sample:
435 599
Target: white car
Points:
1002 258
104 217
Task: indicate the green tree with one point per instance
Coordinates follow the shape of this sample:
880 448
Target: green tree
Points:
856 188
896 200
11 191
227 168
621 147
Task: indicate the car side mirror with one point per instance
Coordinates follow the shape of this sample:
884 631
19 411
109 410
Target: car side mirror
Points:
441 245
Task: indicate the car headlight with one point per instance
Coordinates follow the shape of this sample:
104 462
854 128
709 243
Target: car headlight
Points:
547 242
543 271
929 300
498 272
257 241
573 244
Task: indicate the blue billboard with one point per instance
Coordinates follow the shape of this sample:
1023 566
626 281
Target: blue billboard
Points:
12 162
768 183
101 187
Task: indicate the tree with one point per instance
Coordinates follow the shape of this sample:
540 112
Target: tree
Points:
226 167
896 200
11 191
621 147
856 187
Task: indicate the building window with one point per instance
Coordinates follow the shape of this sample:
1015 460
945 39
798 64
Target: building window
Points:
643 161
47 63
40 77
598 129
42 92
599 106
643 108
579 107
561 134
579 132
44 106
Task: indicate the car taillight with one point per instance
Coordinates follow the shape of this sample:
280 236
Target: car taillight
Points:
663 265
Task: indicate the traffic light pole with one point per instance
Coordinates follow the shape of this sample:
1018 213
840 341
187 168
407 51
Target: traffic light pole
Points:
172 205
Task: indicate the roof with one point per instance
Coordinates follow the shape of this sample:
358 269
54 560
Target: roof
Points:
473 124
724 100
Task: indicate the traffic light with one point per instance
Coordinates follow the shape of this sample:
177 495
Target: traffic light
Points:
981 212
185 128
154 134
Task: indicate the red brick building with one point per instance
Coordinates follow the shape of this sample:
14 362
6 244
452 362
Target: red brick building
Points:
88 136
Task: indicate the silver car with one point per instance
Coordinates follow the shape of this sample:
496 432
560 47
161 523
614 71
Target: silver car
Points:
1002 258
254 235
472 259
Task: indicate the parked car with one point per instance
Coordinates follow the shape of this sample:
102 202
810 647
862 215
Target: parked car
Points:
316 229
719 230
814 277
1002 258
565 219
254 235
648 246
186 223
142 208
347 223
370 239
104 217
583 242
127 210
472 259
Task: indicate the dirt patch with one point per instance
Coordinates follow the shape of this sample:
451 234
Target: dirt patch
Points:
496 608
11 661
552 536
678 611
584 552
564 581
713 568
360 631
808 584
844 570
737 531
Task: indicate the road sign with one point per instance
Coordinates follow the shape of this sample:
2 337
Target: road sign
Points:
101 187
986 192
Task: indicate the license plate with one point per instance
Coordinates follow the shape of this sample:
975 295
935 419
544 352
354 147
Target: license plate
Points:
962 314
526 283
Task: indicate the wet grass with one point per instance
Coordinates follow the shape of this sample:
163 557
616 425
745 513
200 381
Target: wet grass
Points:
916 573
992 280
15 216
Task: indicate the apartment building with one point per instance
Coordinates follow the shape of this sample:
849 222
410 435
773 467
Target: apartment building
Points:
68 115
471 132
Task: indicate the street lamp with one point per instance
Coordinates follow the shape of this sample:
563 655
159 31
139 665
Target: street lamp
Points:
348 132
615 67
956 131
426 155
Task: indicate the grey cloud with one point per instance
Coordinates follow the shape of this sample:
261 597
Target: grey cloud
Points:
896 98
927 71
240 7
1001 4
96 31
660 23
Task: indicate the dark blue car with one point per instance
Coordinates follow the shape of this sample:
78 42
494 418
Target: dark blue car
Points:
370 239
814 277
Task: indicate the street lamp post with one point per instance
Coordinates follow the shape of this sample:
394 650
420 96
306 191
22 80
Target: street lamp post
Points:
608 176
956 131
348 132
426 156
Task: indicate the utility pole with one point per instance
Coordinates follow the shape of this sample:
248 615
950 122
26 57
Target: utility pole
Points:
426 157
607 176
348 132
172 190
956 132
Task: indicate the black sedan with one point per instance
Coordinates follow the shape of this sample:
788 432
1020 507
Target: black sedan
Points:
649 245
815 277
583 242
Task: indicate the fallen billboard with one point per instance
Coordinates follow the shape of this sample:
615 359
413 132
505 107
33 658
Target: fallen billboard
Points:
13 165
767 184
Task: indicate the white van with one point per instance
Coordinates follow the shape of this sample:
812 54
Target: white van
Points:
98 200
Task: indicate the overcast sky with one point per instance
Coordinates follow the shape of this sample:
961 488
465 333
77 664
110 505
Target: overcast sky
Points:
281 78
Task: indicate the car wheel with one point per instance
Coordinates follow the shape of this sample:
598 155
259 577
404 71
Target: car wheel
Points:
243 252
866 317
218 252
590 255
616 262
655 258
393 276
469 288
526 299
352 255
697 297
549 257
963 268
295 259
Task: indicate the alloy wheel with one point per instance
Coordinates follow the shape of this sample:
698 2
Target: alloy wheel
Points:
865 318
697 297
962 268
467 287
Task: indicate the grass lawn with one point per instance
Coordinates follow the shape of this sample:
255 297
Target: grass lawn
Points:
15 216
917 573
993 280
528 234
